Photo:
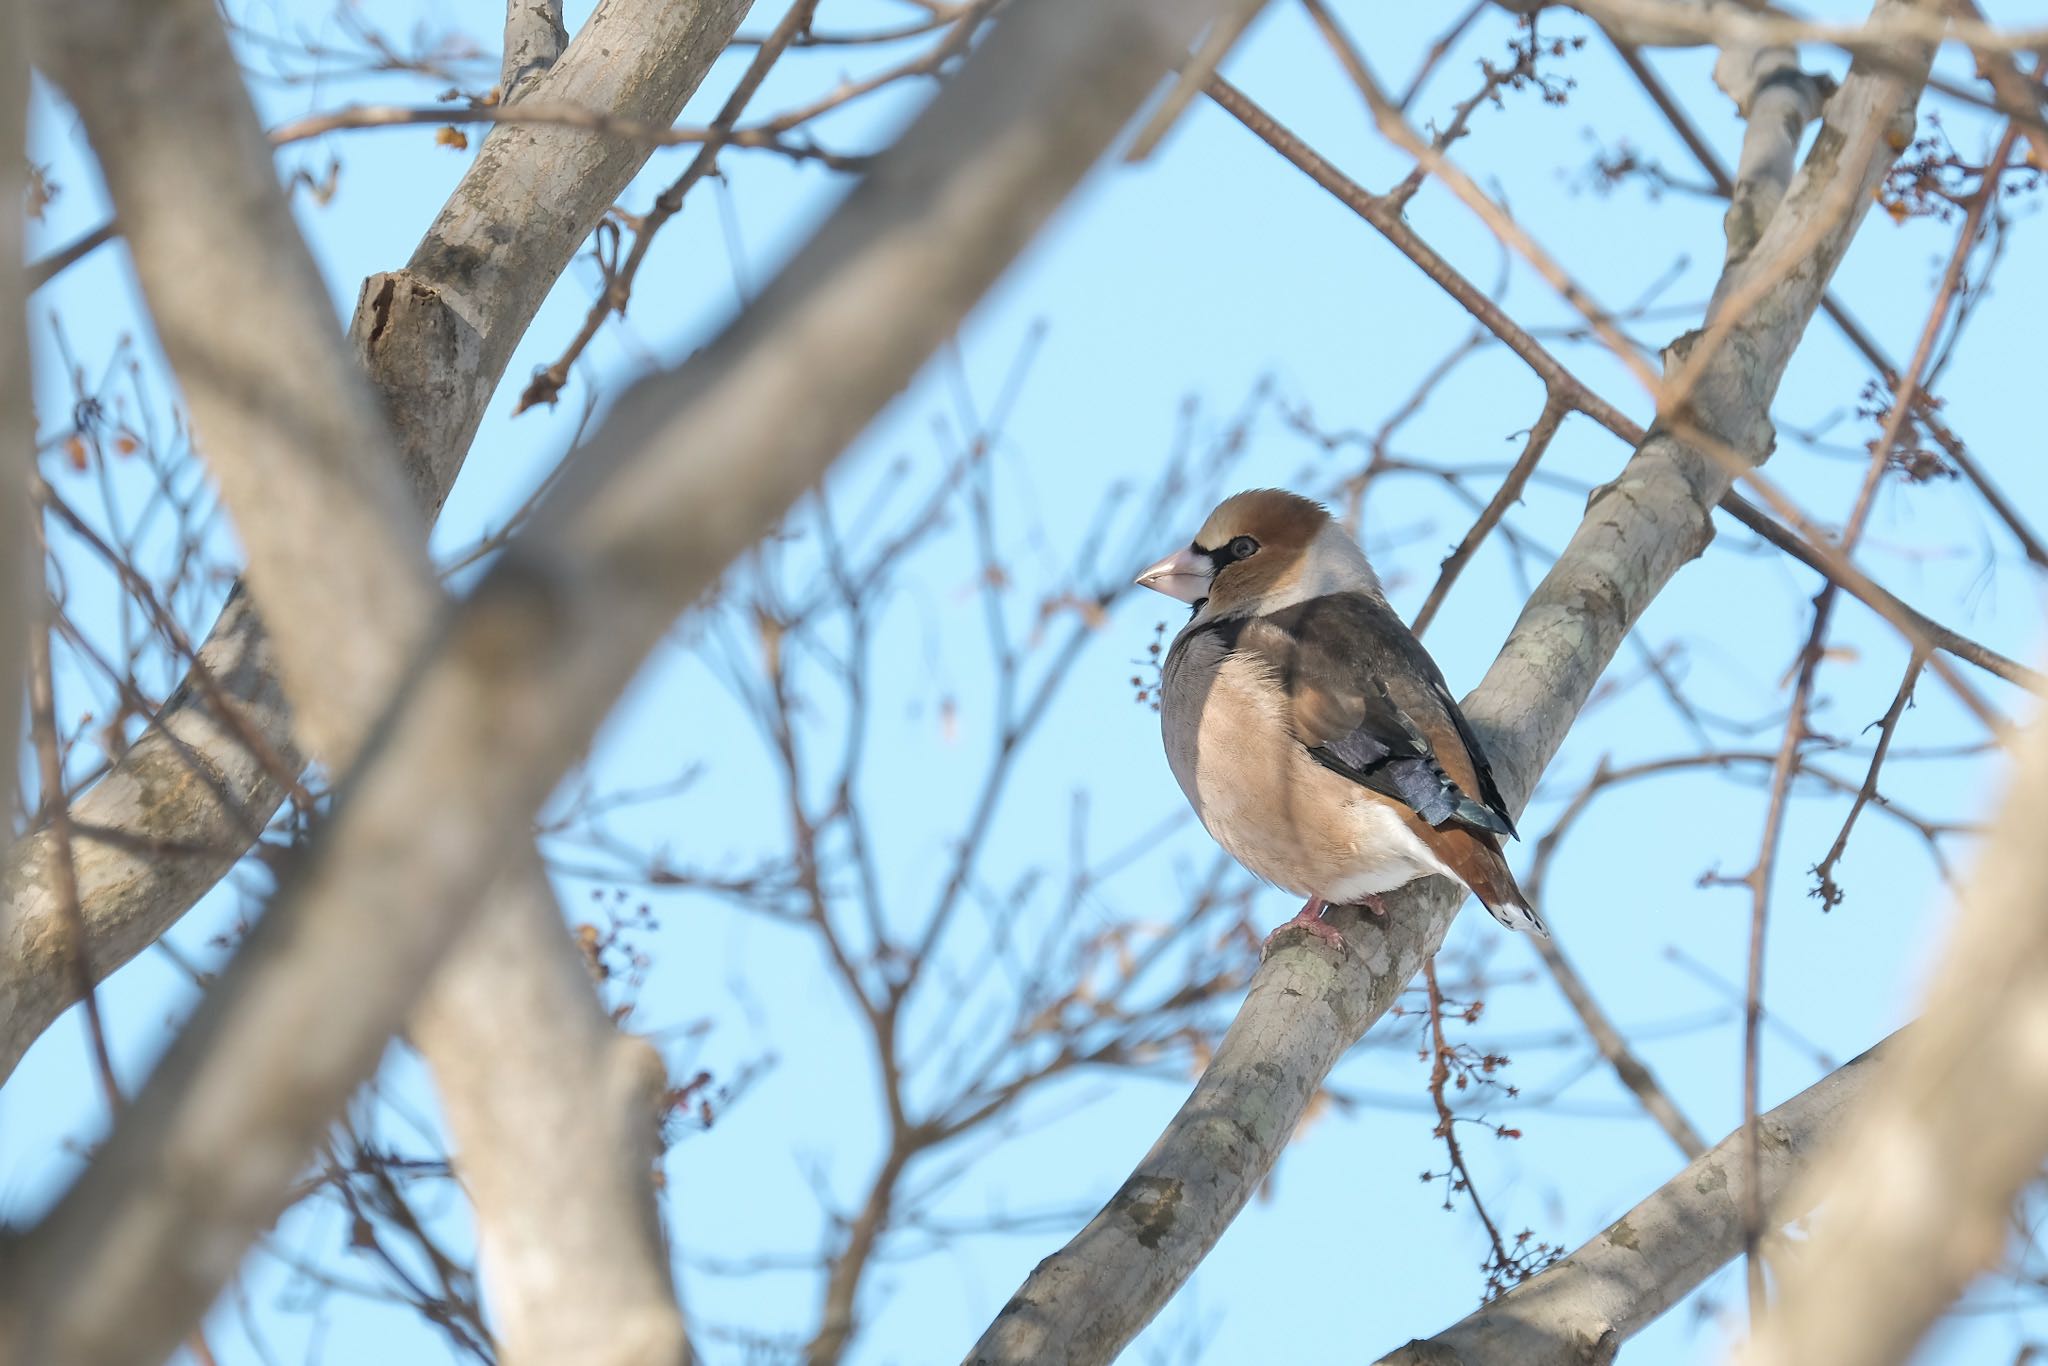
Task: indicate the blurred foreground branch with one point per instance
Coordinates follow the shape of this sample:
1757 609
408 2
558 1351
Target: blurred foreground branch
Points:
688 470
1917 1198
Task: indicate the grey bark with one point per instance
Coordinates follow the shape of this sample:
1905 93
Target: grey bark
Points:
534 38
180 808
685 473
1917 1198
188 799
1307 1005
1584 1308
1777 100
438 334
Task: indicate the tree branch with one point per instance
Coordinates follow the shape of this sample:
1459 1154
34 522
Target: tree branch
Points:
1307 1005
1584 1308
534 38
1777 100
2019 95
689 468
1857 337
289 429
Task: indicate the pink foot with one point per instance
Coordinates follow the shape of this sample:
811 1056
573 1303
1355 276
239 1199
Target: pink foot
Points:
1373 902
1310 918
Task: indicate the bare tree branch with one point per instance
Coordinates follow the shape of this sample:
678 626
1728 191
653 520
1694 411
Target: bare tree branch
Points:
1629 1069
530 112
187 800
1786 248
46 268
438 334
1797 730
1307 1004
1854 331
1584 1308
1777 100
180 808
534 38
546 385
684 474
1917 1198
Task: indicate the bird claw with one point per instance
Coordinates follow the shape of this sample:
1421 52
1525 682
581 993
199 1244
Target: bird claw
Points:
1310 918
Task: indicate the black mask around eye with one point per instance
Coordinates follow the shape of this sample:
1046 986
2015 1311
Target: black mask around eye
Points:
1238 548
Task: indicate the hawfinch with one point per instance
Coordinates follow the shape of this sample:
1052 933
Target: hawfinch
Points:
1308 727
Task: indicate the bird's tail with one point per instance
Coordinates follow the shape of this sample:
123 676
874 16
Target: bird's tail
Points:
1505 900
1517 914
1485 870
1474 858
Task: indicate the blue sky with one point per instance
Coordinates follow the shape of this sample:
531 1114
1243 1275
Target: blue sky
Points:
1208 272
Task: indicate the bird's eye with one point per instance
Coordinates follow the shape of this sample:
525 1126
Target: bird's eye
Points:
1243 548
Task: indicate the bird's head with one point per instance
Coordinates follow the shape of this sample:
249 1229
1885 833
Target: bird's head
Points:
1258 551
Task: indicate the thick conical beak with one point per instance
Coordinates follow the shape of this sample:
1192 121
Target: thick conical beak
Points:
1183 574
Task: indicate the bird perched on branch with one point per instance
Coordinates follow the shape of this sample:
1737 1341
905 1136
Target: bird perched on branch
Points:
1308 727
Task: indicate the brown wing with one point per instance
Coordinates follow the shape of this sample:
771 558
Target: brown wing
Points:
1368 702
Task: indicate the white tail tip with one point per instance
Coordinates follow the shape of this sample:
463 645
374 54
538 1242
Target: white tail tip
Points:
1523 918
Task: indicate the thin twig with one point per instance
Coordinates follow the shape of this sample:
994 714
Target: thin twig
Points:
1825 888
45 269
554 113
1440 49
56 817
1459 1177
1509 492
1630 1069
547 384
